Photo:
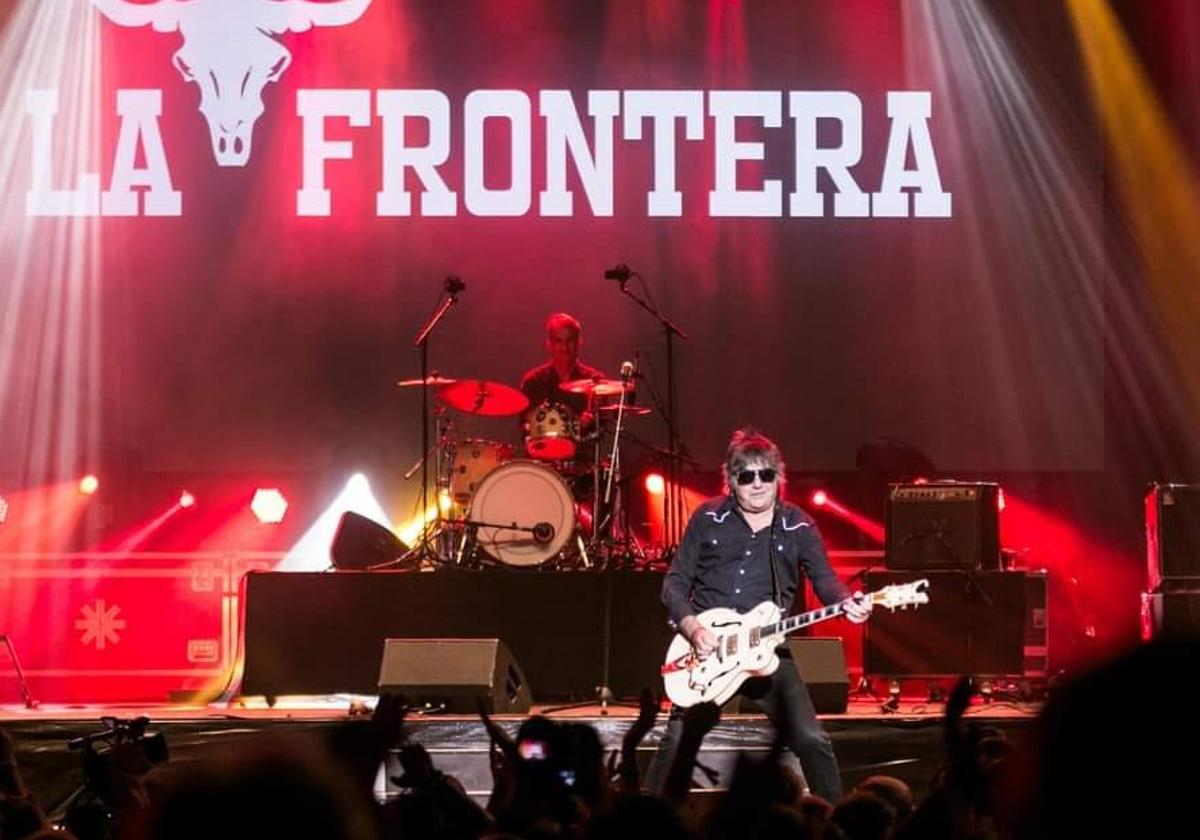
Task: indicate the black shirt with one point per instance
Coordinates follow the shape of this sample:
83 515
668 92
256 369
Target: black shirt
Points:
541 385
722 563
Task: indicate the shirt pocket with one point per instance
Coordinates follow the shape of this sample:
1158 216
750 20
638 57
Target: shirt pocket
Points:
711 554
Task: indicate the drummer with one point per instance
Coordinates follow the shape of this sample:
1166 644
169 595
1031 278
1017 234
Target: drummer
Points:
564 336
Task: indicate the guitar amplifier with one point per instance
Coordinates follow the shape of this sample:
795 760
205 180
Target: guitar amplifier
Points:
943 525
1173 537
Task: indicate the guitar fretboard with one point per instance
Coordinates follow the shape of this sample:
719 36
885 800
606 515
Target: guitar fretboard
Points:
795 622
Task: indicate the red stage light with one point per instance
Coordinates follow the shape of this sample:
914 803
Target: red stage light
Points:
655 484
999 499
89 484
819 498
269 505
186 500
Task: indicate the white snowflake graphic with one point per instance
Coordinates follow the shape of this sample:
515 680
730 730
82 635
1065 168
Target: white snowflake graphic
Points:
100 624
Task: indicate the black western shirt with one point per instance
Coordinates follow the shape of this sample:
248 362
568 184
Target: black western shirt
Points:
722 563
540 384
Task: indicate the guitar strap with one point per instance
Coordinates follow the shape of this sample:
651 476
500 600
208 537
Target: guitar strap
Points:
771 555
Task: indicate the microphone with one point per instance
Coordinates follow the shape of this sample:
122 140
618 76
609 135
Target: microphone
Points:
619 272
453 284
543 532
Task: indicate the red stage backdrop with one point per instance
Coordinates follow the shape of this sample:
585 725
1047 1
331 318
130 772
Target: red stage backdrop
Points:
847 209
964 225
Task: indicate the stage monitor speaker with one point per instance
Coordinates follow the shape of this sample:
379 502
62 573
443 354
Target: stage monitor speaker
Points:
455 673
976 623
360 543
822 663
943 525
1173 536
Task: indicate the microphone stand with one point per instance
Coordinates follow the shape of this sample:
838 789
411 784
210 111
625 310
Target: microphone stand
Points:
673 498
451 287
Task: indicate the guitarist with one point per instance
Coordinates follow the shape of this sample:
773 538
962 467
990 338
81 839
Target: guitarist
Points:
739 550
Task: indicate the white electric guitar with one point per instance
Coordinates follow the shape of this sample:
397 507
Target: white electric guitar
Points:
746 644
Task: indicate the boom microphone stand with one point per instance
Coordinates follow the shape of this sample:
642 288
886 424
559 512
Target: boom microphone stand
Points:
673 498
451 287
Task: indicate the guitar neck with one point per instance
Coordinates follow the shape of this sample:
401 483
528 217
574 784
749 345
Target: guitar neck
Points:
805 619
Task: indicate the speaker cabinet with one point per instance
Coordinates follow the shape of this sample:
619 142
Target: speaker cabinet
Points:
360 543
455 673
1173 536
1170 614
822 663
976 623
943 525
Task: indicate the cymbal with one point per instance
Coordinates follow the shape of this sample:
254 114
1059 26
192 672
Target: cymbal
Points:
479 396
630 410
434 380
596 387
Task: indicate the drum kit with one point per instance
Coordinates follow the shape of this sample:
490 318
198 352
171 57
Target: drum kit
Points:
554 500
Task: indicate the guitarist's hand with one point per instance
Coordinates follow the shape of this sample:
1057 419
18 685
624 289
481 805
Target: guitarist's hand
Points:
857 608
703 640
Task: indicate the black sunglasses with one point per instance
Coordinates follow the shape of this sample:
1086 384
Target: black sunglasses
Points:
745 477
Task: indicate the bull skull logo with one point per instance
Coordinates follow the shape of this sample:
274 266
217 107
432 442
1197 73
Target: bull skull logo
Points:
229 51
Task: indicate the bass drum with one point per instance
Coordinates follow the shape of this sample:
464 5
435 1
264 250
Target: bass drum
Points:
528 495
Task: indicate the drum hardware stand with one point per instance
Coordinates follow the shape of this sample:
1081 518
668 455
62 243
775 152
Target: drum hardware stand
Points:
428 546
673 497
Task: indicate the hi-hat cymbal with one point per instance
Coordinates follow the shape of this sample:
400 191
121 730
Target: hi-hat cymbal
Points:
630 410
479 396
596 387
434 380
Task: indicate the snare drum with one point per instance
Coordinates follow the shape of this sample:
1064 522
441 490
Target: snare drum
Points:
527 495
551 432
474 458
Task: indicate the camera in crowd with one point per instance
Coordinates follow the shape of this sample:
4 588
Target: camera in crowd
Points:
122 748
566 756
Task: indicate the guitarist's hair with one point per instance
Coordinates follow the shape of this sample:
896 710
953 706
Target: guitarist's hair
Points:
746 445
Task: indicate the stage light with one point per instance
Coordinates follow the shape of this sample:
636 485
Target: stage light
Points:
655 484
819 498
999 499
268 505
89 484
3 509
186 500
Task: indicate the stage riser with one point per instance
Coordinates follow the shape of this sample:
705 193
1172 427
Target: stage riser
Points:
324 633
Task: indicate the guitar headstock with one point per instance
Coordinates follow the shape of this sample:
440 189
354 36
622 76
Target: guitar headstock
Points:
901 595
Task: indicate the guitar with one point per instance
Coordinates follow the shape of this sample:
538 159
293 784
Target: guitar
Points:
746 644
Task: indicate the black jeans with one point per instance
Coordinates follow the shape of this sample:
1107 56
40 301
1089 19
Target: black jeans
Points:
781 693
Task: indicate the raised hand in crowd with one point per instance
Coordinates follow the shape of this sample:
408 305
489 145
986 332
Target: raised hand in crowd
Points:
698 721
627 774
503 757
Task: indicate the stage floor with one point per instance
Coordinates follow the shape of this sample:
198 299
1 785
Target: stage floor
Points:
906 743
